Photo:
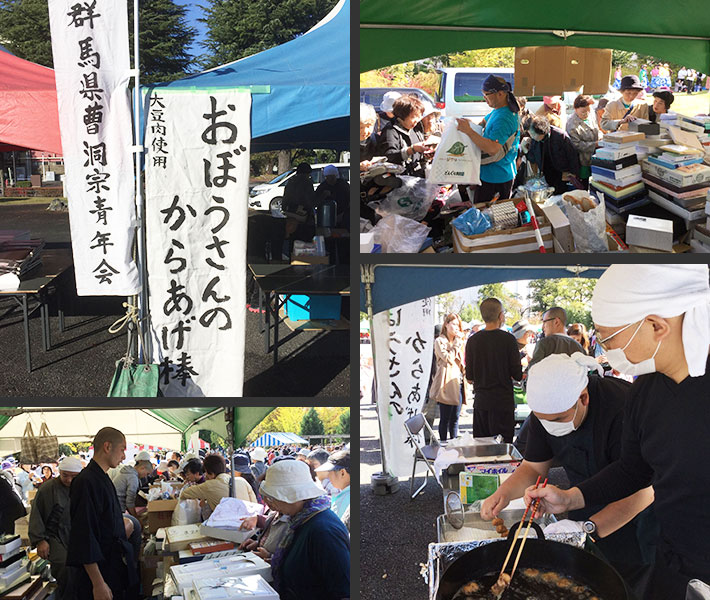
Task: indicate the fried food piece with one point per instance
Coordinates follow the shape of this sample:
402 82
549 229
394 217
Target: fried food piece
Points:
579 589
501 528
551 577
532 573
564 583
497 521
500 585
504 533
471 588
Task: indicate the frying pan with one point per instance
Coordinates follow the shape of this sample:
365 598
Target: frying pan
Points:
540 553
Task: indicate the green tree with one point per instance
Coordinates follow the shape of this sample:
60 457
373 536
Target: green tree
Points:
239 28
485 57
511 302
213 439
24 30
312 424
467 313
574 295
344 425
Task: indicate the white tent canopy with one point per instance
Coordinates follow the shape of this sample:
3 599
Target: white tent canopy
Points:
80 425
279 439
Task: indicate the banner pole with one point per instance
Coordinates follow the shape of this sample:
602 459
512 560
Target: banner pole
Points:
145 354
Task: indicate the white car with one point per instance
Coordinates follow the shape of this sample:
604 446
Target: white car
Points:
268 196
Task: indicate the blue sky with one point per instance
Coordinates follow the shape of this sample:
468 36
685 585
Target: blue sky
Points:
193 13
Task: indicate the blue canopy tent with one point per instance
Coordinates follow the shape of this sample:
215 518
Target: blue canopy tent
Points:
393 285
278 439
308 79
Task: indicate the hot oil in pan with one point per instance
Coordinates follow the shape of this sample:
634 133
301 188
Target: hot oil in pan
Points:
528 584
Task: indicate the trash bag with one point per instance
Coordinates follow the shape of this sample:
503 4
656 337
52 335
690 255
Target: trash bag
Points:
588 227
472 222
457 159
134 381
187 512
400 234
412 199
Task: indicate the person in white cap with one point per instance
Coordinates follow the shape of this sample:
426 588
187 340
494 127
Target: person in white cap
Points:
385 114
525 336
576 421
313 558
334 188
50 521
653 322
258 463
127 481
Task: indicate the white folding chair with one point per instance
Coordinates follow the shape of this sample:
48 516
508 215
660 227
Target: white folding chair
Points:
426 454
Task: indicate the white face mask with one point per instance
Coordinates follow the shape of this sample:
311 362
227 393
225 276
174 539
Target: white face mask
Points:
559 429
617 359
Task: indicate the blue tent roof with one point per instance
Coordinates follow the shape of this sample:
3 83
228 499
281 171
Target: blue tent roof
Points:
309 77
278 439
397 285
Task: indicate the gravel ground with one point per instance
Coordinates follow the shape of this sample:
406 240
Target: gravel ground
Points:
81 361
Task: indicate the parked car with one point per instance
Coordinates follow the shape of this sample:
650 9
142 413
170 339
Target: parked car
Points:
460 92
374 95
268 196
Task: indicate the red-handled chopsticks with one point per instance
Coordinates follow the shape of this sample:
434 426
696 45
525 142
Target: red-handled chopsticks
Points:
517 532
527 530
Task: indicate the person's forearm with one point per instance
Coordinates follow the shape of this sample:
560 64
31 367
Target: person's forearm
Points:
92 570
576 499
610 124
132 511
617 514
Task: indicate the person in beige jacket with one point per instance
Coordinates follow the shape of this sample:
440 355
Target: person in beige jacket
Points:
216 485
619 113
446 386
584 133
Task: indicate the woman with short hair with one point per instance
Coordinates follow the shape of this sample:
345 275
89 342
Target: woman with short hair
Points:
400 142
584 134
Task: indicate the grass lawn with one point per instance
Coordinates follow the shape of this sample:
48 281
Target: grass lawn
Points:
695 104
12 201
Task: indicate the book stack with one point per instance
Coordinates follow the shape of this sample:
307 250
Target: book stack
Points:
13 564
20 257
616 173
678 181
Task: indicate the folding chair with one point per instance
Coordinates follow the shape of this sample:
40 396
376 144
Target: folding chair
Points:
427 453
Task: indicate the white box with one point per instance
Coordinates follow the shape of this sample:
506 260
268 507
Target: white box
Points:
680 177
252 587
232 535
367 242
561 229
649 233
181 536
240 565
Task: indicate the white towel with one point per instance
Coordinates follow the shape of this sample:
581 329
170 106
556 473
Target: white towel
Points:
626 294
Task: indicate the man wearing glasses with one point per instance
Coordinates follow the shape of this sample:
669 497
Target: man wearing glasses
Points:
653 322
556 340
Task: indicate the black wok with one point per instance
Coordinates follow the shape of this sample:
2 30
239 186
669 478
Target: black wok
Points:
580 565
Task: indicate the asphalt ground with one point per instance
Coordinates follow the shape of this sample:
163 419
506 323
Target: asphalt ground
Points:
396 531
82 359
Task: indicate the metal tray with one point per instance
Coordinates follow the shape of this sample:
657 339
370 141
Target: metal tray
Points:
484 530
486 452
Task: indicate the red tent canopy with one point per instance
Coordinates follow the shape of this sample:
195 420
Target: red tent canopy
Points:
29 117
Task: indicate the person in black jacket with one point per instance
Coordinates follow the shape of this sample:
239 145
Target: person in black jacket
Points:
552 152
400 142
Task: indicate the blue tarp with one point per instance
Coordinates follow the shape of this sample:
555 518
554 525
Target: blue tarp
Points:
270 440
397 285
308 105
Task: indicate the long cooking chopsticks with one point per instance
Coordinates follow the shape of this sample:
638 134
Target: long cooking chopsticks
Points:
517 531
527 530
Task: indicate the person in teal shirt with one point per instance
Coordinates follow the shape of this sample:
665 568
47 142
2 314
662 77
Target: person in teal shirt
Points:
499 142
338 469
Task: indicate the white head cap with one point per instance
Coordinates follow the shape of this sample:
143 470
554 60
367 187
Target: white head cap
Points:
388 101
144 455
71 464
555 383
626 294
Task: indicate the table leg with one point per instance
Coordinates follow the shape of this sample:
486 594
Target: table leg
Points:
261 307
277 318
43 319
26 324
267 322
60 309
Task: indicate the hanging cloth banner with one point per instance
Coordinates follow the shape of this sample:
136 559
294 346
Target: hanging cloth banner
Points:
91 64
197 176
403 340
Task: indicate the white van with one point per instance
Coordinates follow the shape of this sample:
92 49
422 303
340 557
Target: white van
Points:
268 196
460 94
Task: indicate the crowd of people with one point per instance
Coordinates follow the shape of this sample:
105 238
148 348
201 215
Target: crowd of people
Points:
605 405
88 514
516 144
659 77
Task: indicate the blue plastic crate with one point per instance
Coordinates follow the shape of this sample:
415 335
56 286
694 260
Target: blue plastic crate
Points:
313 308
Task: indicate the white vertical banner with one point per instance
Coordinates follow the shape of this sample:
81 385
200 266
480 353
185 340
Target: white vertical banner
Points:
403 340
197 175
91 64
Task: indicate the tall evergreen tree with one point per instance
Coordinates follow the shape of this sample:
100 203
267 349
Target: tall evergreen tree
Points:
165 35
312 424
344 425
239 28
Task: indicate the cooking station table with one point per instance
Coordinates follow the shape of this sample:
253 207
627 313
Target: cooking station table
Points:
38 285
278 282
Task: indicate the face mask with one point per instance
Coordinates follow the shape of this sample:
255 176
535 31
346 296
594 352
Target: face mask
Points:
617 359
559 429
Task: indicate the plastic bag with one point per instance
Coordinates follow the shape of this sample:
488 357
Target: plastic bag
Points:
588 228
187 512
472 222
412 199
400 234
457 159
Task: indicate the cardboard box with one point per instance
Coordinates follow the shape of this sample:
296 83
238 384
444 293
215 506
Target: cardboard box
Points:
310 260
232 535
680 177
649 233
180 537
560 227
160 514
232 566
550 70
520 239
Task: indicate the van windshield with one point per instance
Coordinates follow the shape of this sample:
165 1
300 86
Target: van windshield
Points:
467 86
282 176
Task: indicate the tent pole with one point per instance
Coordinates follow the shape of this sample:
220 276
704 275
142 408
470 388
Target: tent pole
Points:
143 308
229 416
